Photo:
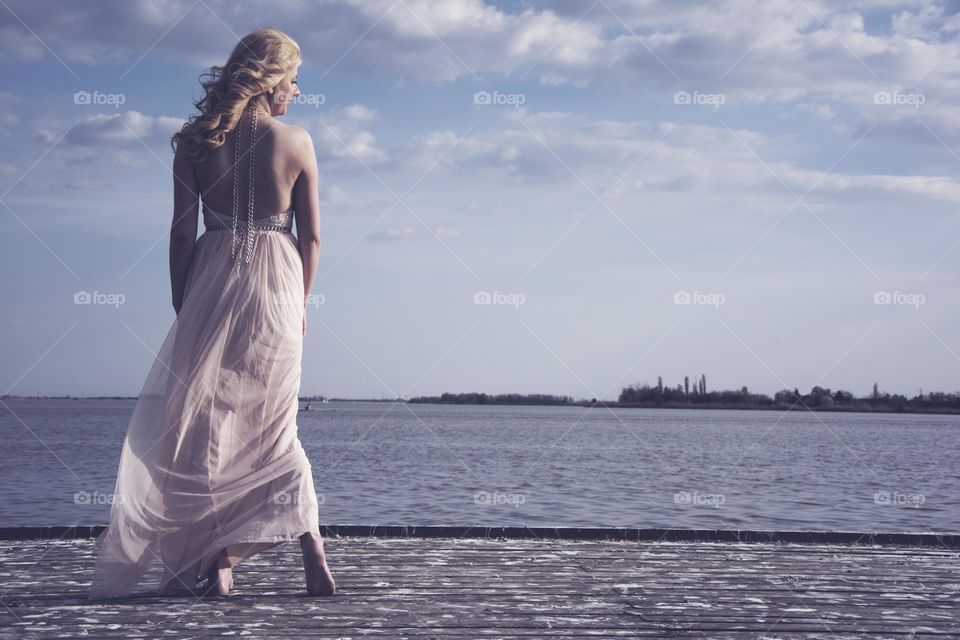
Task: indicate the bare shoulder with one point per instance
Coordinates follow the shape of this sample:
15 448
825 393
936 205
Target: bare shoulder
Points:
182 162
297 138
180 158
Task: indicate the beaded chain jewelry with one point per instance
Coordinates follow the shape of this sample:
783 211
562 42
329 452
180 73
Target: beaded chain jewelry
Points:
246 248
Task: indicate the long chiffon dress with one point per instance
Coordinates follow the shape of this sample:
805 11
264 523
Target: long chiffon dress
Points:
211 458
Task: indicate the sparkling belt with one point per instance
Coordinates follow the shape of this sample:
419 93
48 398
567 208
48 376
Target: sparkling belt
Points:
242 226
279 222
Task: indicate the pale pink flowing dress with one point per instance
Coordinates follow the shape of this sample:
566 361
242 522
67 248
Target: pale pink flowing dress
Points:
211 457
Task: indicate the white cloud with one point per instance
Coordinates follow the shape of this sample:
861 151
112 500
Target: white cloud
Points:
448 232
410 232
416 38
340 140
876 186
692 158
18 44
359 112
125 128
773 51
558 80
920 25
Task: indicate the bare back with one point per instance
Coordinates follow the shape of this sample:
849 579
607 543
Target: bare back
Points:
285 175
278 162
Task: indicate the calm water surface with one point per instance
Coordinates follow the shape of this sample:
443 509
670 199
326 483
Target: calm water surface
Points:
374 463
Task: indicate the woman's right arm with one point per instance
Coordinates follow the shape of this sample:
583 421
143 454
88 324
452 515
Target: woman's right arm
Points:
307 207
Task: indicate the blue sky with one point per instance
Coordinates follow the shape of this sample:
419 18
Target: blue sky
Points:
811 170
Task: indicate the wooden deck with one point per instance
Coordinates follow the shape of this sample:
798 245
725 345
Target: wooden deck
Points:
497 587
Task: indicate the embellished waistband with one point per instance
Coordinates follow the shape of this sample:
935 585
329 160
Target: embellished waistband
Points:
279 222
241 227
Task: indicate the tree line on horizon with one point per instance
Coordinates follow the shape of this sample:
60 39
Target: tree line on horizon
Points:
817 398
697 395
502 398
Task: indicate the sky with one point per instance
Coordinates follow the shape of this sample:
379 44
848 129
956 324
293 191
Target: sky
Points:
533 197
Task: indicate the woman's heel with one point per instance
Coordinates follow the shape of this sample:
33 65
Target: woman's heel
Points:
319 579
219 583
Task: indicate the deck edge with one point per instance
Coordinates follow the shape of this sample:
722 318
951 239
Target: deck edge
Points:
946 540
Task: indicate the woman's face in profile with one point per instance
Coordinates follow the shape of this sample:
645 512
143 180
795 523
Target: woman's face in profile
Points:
284 93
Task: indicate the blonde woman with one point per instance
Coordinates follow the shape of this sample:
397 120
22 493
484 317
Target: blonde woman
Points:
212 469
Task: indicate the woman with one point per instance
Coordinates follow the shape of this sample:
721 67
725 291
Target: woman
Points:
212 470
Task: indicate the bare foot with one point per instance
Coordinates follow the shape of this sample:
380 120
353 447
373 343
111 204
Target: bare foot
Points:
219 576
319 579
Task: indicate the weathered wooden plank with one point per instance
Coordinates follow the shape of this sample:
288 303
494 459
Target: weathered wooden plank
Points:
615 618
523 588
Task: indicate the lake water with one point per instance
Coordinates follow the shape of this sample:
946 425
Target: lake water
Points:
418 464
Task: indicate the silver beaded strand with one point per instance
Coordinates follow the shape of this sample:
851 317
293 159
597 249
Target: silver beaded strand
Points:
253 147
246 248
236 193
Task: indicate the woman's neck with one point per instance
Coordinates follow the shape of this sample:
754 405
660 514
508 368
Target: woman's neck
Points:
259 106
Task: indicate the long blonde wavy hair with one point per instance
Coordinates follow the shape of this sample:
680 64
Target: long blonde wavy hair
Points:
256 65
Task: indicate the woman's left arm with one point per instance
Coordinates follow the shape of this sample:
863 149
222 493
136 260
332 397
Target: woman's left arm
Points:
183 230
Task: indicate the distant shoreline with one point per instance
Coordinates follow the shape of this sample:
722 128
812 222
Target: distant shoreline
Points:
613 404
587 404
